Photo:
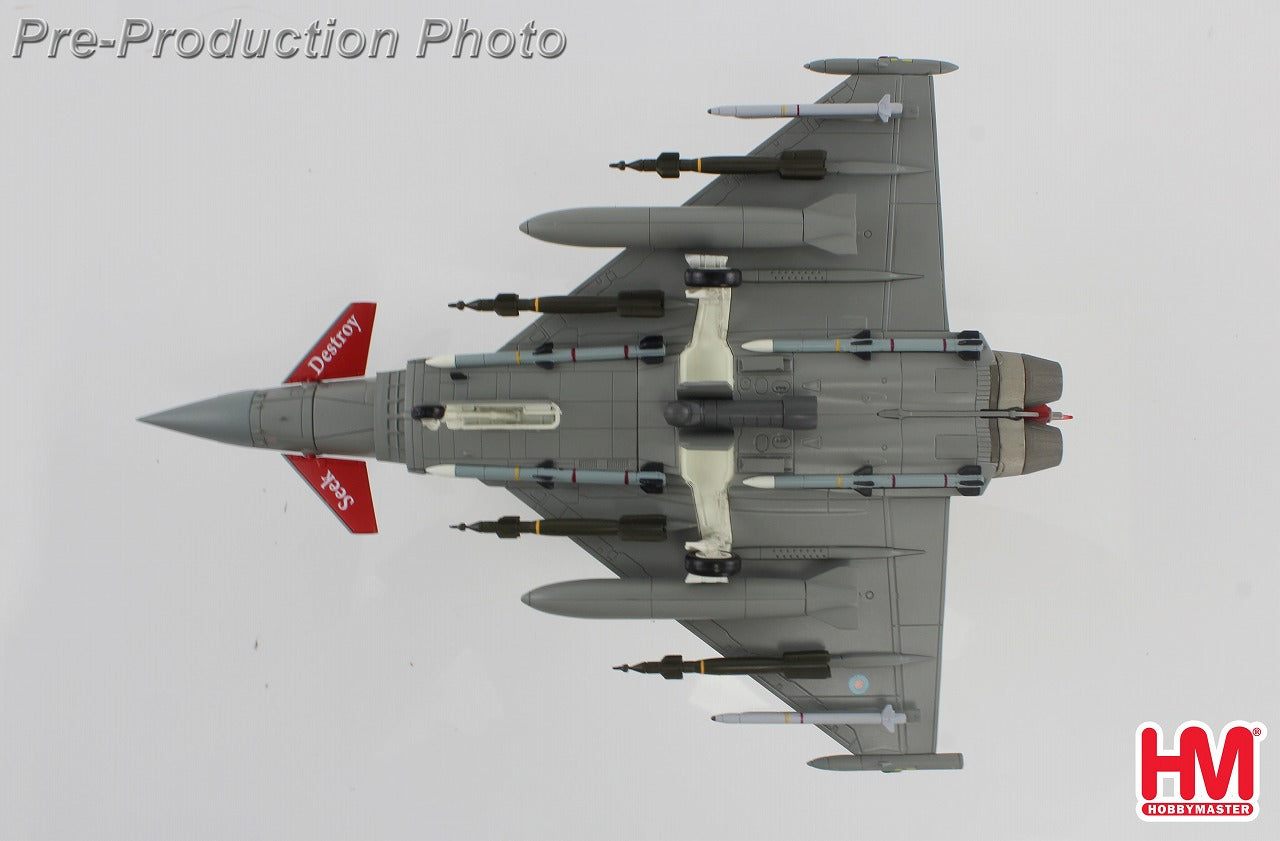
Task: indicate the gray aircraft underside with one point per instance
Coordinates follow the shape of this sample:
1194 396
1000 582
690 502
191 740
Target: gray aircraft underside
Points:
855 571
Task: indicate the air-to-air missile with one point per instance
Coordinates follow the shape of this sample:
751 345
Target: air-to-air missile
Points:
648 527
649 477
639 303
885 109
828 224
650 350
793 164
828 597
968 481
886 718
967 344
796 665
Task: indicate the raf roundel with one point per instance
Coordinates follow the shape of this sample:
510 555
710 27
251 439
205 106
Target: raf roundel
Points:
858 684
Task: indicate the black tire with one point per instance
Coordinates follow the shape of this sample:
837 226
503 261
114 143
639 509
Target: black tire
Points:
712 567
427 411
703 278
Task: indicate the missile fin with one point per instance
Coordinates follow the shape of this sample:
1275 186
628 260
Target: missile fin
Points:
668 165
543 349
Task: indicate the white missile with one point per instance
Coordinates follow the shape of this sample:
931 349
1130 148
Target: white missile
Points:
886 718
968 344
649 478
650 348
884 109
969 481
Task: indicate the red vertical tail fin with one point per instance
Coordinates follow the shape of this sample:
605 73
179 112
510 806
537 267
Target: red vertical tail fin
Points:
342 351
343 484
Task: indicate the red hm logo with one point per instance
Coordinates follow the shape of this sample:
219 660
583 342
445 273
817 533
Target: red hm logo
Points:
1217 778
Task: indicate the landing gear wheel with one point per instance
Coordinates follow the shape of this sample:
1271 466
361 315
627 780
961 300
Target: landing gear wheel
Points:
713 278
712 567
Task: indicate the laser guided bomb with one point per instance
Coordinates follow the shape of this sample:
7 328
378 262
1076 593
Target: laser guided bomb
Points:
770 461
647 527
795 665
792 164
639 303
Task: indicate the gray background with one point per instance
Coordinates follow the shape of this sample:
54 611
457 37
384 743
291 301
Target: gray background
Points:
176 229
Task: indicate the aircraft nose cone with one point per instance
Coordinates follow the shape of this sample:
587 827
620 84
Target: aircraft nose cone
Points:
527 598
224 418
524 226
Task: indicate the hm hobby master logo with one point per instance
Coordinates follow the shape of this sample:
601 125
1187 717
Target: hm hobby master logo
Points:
1203 777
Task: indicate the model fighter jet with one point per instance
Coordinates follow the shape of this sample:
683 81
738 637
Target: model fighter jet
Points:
756 415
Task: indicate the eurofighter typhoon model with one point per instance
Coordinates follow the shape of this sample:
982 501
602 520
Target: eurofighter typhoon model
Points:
755 416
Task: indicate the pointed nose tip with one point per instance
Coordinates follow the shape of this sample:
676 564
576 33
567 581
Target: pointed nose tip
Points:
524 226
224 418
527 598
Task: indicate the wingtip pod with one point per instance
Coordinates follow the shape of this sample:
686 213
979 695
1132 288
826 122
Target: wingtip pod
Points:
887 65
889 763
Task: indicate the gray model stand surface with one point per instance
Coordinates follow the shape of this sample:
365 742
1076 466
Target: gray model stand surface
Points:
765 451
